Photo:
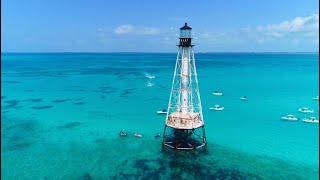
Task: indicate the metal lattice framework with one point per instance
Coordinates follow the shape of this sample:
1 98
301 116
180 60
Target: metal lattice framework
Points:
184 127
185 96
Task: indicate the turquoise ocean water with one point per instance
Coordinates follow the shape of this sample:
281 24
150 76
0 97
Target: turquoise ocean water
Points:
61 114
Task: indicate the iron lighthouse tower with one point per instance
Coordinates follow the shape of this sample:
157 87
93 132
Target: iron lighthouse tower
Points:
184 128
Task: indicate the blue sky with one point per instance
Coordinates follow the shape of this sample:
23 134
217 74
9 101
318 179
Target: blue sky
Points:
152 26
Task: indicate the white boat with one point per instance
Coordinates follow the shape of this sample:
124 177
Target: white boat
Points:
305 110
217 93
217 108
163 111
316 98
311 120
137 135
149 84
289 117
149 76
244 98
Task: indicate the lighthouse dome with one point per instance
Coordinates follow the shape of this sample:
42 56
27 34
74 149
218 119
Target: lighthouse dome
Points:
185 31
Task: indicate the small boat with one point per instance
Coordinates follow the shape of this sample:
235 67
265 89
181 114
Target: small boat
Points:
217 93
123 133
149 84
316 98
305 110
137 135
311 120
157 135
217 108
244 98
149 76
163 111
289 117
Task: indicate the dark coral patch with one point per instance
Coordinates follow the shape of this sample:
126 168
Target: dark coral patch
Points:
142 164
60 100
12 101
19 146
180 165
26 126
41 107
11 104
127 92
19 136
34 100
70 125
86 176
79 103
144 170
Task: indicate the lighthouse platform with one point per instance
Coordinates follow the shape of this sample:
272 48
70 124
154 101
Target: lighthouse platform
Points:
181 120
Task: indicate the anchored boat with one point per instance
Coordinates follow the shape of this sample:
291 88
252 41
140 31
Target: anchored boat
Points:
217 108
137 135
162 111
244 98
149 84
217 93
311 120
149 76
289 117
305 110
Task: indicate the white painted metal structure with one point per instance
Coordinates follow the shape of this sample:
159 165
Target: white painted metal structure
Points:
184 117
184 109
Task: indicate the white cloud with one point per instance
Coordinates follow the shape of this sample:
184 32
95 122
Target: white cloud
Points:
300 31
148 31
123 29
126 29
304 25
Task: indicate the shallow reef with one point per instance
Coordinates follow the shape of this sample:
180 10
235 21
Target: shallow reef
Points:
11 104
19 135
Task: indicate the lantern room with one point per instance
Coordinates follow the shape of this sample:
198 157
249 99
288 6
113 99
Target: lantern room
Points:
185 36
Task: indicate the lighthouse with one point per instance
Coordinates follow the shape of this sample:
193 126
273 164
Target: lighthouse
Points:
184 125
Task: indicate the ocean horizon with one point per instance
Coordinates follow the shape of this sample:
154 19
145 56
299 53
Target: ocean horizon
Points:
165 52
